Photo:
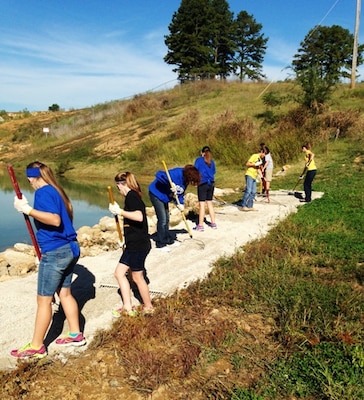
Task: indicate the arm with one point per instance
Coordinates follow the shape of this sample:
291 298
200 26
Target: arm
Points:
256 164
45 217
133 215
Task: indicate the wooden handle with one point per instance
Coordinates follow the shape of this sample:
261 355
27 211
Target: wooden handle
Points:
112 201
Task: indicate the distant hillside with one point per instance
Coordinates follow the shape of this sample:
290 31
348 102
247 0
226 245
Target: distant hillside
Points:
233 118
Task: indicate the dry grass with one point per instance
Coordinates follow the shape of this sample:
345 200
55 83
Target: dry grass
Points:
189 349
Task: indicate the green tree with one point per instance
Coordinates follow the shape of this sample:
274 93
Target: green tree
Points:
188 42
205 41
250 47
221 39
324 58
54 107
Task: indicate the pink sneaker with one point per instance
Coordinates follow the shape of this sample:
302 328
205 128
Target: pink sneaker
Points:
27 351
68 340
148 311
199 228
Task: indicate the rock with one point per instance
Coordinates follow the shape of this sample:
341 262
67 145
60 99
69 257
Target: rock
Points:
22 262
93 241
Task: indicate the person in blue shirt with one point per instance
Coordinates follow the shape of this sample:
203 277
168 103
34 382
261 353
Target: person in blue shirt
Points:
161 194
205 191
57 239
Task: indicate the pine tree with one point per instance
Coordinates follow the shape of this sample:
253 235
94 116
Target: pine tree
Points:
250 47
188 42
205 42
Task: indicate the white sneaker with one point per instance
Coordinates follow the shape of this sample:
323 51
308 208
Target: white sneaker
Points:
175 244
165 249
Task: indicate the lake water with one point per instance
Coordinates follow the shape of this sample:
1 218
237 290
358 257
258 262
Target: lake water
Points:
90 203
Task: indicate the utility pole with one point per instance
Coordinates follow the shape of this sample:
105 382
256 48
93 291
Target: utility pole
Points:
355 48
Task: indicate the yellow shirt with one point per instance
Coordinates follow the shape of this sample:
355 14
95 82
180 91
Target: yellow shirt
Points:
308 155
253 171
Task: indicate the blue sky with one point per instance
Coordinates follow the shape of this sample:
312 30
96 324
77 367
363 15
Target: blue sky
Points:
79 53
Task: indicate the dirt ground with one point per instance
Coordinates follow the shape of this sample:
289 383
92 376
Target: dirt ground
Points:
95 287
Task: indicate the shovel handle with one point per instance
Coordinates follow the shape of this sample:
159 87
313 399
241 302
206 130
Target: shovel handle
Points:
112 201
26 217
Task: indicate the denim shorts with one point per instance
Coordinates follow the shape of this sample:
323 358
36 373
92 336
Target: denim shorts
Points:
134 260
56 270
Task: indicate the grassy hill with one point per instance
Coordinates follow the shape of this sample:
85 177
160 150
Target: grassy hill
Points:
281 319
173 125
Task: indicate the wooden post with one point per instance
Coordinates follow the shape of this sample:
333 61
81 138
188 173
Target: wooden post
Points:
355 47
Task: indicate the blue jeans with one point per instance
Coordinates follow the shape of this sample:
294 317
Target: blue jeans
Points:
56 270
250 192
162 212
307 184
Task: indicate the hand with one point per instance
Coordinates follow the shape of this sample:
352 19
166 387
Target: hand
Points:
174 189
22 205
115 208
301 177
181 207
258 163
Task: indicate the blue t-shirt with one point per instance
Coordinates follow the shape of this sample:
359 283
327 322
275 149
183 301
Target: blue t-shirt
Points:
206 171
51 237
161 187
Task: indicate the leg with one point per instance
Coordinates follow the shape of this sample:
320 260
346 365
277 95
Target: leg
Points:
162 213
70 308
201 213
120 275
250 191
42 320
138 278
307 185
210 207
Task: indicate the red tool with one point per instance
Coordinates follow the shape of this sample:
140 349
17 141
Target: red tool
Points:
26 217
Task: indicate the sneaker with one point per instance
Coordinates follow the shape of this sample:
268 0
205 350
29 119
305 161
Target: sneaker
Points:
165 249
244 209
121 311
27 351
148 311
199 228
68 340
213 225
175 244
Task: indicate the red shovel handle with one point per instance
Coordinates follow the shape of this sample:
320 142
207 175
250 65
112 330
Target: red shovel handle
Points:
26 217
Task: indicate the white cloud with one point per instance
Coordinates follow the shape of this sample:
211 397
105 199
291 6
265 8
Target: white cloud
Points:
68 71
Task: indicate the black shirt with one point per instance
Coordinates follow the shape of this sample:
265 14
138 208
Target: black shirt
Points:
135 232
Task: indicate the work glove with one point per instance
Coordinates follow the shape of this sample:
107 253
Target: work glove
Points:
258 163
301 177
22 205
181 207
115 208
174 189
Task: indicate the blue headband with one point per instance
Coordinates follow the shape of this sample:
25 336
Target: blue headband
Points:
33 172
